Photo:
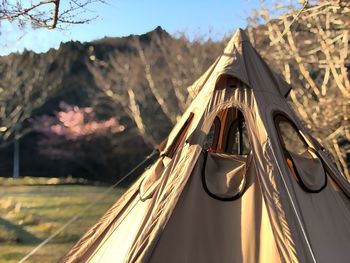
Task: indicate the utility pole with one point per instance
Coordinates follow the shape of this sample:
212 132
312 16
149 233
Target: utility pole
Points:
17 127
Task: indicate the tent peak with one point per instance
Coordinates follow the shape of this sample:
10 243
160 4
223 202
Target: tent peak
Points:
236 41
240 36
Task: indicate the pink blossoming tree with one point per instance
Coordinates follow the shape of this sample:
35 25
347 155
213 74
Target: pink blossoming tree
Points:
73 134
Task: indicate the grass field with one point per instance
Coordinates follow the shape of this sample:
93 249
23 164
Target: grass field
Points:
32 209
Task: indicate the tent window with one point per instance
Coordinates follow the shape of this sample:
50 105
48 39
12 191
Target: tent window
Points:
227 159
237 138
228 133
303 162
291 139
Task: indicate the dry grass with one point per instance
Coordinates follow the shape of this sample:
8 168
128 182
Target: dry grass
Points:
30 213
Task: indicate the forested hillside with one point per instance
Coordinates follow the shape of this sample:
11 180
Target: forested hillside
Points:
144 92
95 109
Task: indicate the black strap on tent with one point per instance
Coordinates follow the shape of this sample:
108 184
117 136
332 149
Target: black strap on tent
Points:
84 210
205 186
206 189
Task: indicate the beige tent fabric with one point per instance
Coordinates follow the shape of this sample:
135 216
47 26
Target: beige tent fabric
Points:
289 200
196 87
234 64
87 244
120 237
326 216
150 181
114 218
220 99
298 226
217 231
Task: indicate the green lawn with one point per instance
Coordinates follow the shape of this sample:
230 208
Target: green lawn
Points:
32 209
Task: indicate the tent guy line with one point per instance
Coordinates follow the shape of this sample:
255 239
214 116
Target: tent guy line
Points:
292 202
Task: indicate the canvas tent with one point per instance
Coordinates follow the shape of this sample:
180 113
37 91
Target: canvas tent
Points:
239 179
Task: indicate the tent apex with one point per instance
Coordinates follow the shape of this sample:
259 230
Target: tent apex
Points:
240 36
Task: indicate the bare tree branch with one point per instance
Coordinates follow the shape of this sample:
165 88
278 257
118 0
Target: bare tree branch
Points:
314 54
45 13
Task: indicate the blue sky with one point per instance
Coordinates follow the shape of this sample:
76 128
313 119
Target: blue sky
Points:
124 17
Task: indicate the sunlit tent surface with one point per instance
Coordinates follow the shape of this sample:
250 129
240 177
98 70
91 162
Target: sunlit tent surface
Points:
239 179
